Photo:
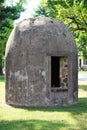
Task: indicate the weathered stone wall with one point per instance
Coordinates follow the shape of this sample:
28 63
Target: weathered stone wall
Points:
63 72
28 64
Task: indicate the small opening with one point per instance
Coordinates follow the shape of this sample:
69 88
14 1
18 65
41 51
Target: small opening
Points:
59 73
55 71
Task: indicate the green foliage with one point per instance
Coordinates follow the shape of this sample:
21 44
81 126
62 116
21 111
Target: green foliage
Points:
71 12
7 16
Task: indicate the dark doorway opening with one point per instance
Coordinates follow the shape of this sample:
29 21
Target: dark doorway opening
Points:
55 71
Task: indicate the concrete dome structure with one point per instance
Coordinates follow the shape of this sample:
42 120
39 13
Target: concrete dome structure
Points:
41 64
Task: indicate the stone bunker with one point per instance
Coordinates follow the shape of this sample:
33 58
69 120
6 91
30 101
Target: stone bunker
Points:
41 64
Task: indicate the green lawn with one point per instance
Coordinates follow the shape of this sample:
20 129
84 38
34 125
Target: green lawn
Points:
61 118
83 72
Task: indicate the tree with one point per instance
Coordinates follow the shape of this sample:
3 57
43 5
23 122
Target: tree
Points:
71 12
7 16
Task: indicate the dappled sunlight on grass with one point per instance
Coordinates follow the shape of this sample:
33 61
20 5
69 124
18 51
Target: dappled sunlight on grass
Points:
82 89
2 95
52 118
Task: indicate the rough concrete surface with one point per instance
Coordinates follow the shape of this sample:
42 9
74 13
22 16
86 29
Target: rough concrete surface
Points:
29 49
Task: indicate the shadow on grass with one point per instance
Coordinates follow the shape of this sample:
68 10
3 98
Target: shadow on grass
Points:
32 125
76 112
79 108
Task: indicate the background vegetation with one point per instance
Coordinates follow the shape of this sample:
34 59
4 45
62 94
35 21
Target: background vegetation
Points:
71 12
8 13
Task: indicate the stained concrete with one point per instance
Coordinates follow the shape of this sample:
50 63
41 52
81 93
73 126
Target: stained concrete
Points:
28 63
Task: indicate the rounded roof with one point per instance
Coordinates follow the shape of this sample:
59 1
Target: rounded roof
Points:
41 34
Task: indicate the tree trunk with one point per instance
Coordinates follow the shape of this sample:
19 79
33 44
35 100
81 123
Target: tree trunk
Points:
1 70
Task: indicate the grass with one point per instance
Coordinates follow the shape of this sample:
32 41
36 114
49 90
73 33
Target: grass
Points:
61 118
82 72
